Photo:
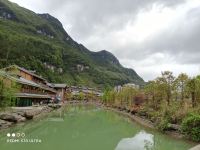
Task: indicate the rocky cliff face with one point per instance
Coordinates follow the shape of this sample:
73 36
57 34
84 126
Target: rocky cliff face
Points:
6 13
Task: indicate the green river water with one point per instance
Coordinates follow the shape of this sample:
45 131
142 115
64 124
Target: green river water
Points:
86 128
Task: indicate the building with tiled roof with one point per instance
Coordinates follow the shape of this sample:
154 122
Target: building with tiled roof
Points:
33 88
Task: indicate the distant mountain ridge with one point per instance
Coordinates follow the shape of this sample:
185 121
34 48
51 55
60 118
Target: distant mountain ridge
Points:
39 42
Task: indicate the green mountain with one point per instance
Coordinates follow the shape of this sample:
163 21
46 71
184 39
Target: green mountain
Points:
39 42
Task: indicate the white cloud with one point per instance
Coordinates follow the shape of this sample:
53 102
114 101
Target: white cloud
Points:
152 67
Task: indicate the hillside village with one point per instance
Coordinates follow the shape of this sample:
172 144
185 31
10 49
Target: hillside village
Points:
32 89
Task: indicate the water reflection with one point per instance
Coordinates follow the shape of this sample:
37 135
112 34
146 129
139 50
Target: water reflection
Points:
141 141
58 116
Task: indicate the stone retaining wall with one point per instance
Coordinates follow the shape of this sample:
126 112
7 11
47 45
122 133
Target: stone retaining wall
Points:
22 114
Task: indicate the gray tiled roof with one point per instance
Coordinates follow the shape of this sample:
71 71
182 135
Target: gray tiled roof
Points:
24 81
59 85
27 71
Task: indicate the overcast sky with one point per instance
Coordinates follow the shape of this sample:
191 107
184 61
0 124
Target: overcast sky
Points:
149 36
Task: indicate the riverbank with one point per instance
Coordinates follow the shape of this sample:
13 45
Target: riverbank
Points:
74 125
174 132
45 110
16 115
147 123
141 120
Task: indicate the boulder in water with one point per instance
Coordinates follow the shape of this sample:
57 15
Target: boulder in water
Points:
4 124
12 117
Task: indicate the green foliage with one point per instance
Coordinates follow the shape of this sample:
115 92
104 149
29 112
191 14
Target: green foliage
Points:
191 126
81 96
168 101
193 87
181 84
106 96
68 96
90 96
163 124
123 98
6 94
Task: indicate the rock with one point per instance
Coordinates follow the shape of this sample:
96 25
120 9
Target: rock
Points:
47 109
54 106
7 117
4 124
18 118
174 127
134 110
29 115
12 117
21 113
21 119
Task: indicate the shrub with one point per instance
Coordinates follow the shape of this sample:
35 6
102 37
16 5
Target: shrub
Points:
191 127
163 124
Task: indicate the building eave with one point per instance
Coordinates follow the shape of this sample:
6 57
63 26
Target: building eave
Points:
28 95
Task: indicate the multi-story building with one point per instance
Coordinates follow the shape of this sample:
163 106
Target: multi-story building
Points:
33 89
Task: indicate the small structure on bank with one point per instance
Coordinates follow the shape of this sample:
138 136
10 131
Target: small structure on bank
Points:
119 88
137 99
61 89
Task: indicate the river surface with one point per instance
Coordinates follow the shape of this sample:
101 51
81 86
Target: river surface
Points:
86 128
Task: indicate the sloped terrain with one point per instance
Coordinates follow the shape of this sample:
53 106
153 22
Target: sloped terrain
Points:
39 42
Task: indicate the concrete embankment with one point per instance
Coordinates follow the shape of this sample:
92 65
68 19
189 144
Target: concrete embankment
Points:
22 114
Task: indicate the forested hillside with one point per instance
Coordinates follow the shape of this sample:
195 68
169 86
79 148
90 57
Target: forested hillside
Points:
39 42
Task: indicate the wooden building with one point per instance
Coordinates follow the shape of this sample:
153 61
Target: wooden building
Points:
33 89
61 89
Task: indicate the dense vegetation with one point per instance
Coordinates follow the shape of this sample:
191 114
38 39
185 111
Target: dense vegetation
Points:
7 92
171 103
39 42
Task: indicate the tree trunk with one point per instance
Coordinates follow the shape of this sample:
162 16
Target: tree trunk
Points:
182 93
193 99
168 99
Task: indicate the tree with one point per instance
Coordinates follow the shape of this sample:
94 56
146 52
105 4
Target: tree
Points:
198 89
150 90
181 81
167 80
7 91
193 88
155 92
176 90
